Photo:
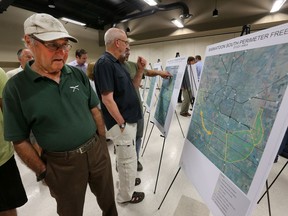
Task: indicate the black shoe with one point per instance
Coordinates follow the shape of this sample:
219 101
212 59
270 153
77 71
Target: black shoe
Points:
139 166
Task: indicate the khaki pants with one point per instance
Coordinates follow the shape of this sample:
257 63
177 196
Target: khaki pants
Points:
126 160
186 102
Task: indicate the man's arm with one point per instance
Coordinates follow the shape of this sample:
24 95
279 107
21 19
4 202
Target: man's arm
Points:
108 101
29 156
163 74
98 118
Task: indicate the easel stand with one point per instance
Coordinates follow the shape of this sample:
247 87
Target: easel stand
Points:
153 128
153 124
268 187
159 167
160 162
169 187
144 137
179 124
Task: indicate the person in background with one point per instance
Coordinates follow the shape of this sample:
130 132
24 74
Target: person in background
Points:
179 99
63 115
24 55
121 110
81 60
89 73
12 193
132 68
186 90
199 65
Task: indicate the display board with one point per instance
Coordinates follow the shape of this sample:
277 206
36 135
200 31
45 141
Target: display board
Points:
238 121
153 84
168 94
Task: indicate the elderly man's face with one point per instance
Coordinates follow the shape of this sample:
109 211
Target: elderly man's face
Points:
51 55
25 56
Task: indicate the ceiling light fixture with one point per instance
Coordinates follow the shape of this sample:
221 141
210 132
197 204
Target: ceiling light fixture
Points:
178 23
73 21
151 2
277 5
215 11
51 4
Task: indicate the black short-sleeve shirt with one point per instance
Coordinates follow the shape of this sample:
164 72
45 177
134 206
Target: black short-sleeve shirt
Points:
111 76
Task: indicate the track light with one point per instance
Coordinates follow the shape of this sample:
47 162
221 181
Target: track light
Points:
151 2
178 23
72 21
215 11
277 5
51 4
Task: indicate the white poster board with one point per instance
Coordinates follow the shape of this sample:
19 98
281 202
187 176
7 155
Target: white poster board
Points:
153 84
238 121
168 94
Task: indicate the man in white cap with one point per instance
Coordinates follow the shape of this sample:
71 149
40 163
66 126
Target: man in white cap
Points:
56 102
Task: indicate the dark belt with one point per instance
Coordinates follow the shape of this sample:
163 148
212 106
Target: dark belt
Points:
80 150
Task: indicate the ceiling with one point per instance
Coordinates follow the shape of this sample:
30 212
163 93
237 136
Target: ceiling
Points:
147 22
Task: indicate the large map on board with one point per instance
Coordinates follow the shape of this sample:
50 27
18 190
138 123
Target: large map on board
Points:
238 100
153 83
168 94
239 119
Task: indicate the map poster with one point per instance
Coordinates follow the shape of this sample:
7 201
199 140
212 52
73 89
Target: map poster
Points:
168 94
153 83
238 121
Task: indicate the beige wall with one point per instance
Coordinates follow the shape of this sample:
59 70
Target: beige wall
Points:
167 50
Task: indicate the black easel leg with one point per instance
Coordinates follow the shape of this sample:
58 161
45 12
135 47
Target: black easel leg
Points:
169 188
273 182
144 137
179 124
160 163
268 198
148 139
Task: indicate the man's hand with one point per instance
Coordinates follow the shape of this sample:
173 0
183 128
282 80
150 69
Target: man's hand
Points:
165 75
141 63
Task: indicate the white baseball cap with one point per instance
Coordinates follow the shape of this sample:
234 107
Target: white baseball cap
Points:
46 28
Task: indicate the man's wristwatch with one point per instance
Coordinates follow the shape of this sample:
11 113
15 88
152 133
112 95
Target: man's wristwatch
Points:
122 126
41 176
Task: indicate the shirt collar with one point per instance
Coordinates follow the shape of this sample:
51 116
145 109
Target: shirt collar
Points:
34 76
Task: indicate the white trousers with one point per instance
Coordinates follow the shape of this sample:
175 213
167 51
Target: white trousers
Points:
125 145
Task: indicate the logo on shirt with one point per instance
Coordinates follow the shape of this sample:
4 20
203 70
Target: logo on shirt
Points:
75 88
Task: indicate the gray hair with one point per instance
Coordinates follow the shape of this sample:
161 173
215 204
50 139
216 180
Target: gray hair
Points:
112 34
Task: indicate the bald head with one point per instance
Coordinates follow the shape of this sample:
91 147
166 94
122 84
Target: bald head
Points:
113 34
116 42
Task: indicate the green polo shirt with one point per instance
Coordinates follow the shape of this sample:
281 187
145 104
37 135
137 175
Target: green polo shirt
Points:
132 68
6 148
58 114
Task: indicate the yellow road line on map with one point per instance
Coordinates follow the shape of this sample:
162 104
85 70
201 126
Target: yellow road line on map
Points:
203 124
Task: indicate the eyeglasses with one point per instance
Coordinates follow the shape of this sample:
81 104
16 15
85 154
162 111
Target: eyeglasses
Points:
126 42
52 46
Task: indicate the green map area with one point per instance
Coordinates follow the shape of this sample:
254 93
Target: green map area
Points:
238 98
165 96
151 91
